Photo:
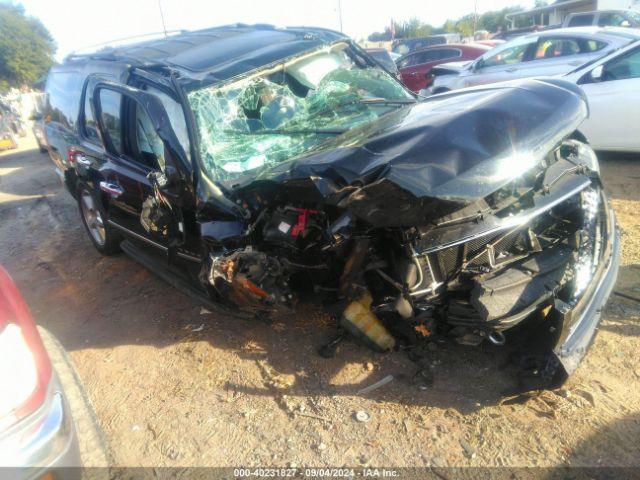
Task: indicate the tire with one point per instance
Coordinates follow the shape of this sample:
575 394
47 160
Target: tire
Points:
94 218
94 450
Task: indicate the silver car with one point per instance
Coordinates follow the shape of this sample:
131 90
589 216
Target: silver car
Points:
551 52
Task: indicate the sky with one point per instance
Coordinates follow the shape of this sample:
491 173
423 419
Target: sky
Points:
75 24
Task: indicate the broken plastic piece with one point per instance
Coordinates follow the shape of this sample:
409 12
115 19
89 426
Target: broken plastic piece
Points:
362 323
377 385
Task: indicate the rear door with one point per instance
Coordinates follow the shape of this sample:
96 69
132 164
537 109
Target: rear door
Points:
558 55
503 63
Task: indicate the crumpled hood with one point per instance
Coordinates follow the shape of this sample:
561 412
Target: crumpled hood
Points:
432 158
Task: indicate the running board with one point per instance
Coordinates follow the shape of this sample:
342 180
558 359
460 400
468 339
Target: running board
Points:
176 279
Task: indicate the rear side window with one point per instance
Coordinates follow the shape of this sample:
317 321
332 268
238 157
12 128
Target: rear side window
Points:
581 21
149 146
556 47
63 98
593 46
446 53
611 20
111 110
90 127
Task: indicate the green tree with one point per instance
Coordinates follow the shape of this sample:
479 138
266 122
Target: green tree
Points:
496 20
26 47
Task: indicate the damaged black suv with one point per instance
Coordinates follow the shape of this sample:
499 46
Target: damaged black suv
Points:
259 167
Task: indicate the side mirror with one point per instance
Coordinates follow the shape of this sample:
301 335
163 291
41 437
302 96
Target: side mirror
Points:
596 74
477 65
625 23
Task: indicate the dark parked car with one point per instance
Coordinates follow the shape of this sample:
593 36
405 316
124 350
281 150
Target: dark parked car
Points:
298 169
415 68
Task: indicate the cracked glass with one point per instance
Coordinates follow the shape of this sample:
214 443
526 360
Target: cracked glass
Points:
281 113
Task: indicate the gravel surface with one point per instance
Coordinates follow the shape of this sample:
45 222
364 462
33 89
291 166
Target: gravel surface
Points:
175 385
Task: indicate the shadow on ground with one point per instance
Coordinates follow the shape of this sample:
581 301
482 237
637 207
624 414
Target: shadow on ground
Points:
95 302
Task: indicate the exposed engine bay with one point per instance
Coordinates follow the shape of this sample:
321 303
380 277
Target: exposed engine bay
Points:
471 275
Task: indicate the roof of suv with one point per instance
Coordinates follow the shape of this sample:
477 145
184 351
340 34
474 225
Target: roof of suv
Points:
234 48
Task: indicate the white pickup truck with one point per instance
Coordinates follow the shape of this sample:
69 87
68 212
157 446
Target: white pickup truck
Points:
603 18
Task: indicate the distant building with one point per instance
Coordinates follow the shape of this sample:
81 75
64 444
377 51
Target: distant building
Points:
555 13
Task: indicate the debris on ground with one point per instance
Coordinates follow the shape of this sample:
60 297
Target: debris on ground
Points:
375 386
362 416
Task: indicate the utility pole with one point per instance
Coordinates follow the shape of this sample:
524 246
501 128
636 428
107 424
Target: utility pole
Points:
475 17
164 27
340 14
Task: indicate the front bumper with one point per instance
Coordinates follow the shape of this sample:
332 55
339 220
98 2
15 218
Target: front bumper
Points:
580 322
43 441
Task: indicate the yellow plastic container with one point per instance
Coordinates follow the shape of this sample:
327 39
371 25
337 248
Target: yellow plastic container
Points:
362 322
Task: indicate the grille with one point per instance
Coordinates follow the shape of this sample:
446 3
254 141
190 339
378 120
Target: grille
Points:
473 255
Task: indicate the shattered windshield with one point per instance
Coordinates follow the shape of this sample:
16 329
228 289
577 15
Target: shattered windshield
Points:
273 116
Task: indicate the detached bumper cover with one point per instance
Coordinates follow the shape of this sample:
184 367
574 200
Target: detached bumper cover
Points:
581 322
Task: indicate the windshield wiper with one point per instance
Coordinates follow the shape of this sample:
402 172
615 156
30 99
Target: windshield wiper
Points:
284 131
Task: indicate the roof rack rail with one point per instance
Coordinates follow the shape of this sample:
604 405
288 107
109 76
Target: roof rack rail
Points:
91 49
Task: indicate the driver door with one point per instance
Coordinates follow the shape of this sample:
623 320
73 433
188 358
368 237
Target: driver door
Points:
140 148
614 101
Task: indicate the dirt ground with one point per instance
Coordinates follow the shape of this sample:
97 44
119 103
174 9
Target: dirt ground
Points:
175 385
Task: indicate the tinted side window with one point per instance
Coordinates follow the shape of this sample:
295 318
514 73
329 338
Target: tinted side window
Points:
63 98
176 117
149 146
593 46
90 127
449 53
627 66
428 56
111 108
581 21
610 20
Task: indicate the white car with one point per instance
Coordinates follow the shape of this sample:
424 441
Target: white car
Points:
546 53
612 87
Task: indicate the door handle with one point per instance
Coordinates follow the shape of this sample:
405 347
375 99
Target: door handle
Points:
511 70
82 160
112 189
